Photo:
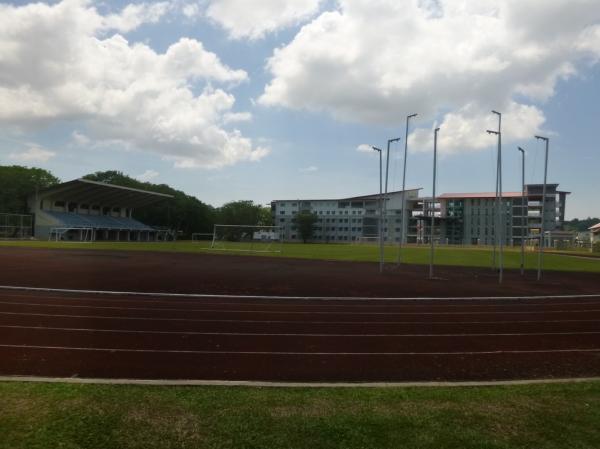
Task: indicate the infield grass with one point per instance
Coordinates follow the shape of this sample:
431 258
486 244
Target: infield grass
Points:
444 255
558 416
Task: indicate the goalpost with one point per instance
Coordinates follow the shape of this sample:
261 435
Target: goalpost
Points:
367 240
258 239
16 226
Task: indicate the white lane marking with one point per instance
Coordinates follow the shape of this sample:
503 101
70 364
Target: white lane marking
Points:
293 312
197 320
254 334
268 304
276 384
191 351
307 298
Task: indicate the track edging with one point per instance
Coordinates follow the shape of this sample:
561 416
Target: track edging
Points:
267 384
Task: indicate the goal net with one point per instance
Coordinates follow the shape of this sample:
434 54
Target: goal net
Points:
263 239
367 240
16 227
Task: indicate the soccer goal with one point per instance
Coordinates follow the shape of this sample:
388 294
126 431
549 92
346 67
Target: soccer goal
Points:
258 239
16 227
367 240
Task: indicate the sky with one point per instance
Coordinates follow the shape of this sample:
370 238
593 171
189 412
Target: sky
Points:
282 99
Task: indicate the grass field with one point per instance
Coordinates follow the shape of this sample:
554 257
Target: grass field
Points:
457 256
92 416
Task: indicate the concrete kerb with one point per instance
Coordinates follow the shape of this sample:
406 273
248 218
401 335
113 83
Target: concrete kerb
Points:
264 384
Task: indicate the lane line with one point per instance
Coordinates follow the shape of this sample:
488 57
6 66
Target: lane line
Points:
195 320
308 298
267 384
295 312
267 304
252 334
200 352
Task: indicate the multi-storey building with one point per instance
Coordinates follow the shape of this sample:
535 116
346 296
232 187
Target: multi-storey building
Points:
346 219
460 218
472 218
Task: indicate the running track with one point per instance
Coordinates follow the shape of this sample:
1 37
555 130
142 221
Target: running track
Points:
214 338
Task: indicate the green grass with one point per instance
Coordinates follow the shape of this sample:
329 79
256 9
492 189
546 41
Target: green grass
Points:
458 256
92 416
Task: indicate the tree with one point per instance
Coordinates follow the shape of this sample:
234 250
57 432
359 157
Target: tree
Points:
18 183
183 213
240 213
305 222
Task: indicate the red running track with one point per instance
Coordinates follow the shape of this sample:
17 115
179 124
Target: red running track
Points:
150 337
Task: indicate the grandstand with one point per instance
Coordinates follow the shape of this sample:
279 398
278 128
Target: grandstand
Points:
84 210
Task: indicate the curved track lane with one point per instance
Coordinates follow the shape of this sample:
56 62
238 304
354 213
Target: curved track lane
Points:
148 337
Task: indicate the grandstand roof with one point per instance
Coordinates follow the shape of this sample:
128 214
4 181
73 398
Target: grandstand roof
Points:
94 192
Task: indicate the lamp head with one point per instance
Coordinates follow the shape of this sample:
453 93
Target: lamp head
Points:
376 149
492 132
394 140
496 112
521 150
412 116
542 138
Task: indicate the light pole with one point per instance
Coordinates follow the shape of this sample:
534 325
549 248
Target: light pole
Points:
402 210
524 221
387 169
500 221
541 246
380 211
435 136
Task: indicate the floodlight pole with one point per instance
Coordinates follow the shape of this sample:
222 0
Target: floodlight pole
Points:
524 221
387 170
541 246
402 210
500 222
435 136
380 211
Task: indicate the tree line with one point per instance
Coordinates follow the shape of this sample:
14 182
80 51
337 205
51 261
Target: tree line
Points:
183 213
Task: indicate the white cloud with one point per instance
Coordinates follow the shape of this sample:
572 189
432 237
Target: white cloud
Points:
243 19
60 63
80 139
191 10
375 61
235 117
134 15
310 169
34 154
147 176
364 148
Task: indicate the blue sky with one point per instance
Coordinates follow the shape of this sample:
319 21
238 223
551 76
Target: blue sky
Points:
271 100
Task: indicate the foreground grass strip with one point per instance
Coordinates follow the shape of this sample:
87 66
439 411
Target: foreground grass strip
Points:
95 416
452 256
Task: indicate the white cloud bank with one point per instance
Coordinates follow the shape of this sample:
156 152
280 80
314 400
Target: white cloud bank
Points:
64 62
33 154
147 176
254 19
376 61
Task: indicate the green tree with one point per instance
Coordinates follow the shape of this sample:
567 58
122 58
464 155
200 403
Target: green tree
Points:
18 183
305 222
183 213
241 213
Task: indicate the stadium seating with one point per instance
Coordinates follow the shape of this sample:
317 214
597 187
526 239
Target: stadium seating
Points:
71 220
